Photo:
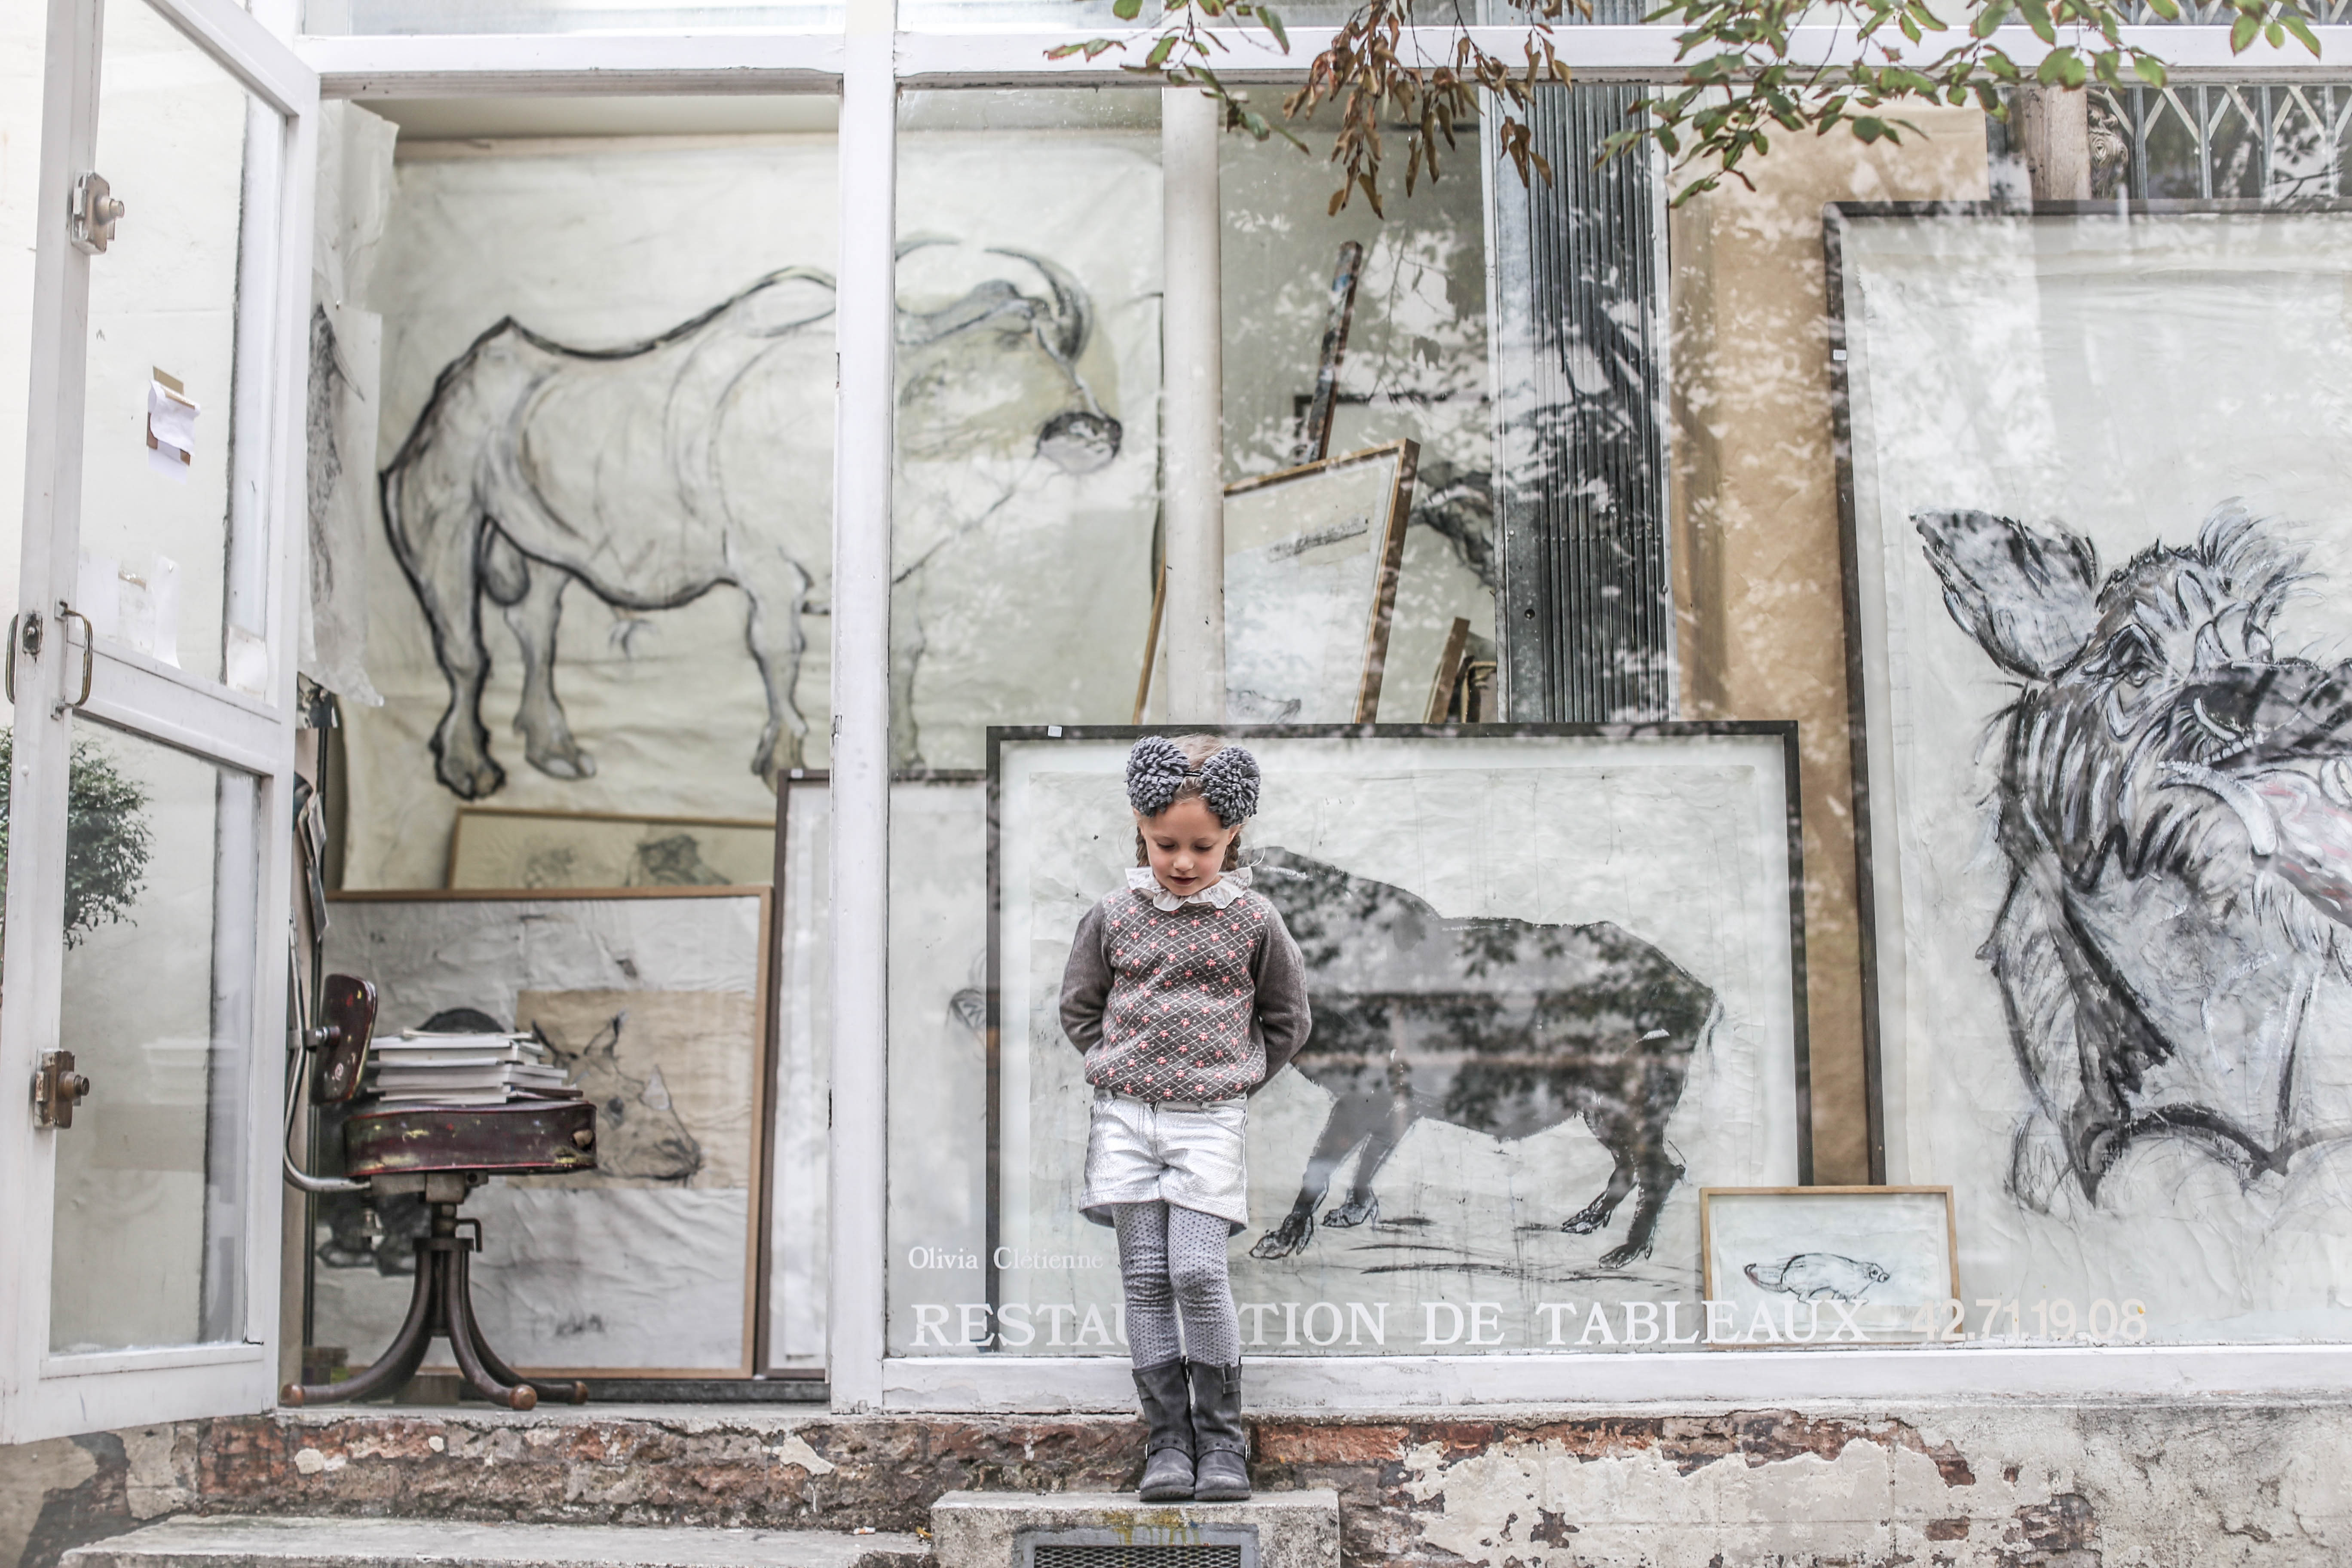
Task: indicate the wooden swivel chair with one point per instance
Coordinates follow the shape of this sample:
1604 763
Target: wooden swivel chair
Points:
443 1154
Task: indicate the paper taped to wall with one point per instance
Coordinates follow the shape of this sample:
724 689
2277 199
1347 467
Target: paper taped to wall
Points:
171 429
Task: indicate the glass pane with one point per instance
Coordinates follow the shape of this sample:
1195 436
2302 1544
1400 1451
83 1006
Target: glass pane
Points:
2105 802
157 498
643 632
149 1244
1027 571
601 673
352 16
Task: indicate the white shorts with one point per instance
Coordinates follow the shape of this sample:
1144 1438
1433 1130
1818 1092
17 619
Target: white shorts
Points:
1194 1157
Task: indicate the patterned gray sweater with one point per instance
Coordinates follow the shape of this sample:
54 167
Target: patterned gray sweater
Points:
1202 1002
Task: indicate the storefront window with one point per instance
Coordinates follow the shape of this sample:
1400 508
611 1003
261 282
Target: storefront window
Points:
1770 748
575 609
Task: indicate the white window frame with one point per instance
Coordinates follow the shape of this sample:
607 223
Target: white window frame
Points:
868 63
43 1395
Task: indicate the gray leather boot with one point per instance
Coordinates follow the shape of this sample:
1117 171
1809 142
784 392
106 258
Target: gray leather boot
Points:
1220 1441
1168 1450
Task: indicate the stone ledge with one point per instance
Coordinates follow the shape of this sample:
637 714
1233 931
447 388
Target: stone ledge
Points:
231 1541
979 1530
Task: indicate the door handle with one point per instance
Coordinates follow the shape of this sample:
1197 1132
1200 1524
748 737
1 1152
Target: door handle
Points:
88 654
57 1090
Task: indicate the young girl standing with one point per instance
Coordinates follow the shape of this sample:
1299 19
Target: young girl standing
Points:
1186 993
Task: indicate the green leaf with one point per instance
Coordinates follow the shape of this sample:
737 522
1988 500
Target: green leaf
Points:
2242 34
2294 22
1274 25
2150 70
1126 10
1159 53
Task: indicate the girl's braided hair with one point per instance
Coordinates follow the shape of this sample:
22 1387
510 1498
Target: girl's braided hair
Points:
1161 771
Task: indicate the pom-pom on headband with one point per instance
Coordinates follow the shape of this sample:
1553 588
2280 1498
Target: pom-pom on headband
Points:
1157 771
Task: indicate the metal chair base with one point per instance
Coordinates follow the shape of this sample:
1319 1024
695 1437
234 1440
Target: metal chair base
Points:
441 1304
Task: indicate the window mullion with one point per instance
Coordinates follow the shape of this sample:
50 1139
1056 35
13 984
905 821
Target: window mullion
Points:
864 322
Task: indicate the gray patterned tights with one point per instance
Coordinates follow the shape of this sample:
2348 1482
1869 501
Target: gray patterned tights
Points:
1173 1263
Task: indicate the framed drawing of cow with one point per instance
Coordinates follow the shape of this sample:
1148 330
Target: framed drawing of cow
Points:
2100 592
496 846
1311 559
654 1001
1830 1266
1556 982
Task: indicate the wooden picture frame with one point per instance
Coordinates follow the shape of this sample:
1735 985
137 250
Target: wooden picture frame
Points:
511 846
1312 555
691 969
1838 1256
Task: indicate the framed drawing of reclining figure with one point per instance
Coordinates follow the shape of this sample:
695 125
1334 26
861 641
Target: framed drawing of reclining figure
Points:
2098 669
1311 559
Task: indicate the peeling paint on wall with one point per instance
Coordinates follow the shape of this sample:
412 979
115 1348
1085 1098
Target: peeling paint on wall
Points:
2109 1484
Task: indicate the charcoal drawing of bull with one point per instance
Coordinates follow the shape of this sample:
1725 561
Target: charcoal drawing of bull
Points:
657 471
1504 1026
2175 807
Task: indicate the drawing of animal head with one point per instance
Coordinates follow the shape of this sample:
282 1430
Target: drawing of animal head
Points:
2176 803
638 1134
997 366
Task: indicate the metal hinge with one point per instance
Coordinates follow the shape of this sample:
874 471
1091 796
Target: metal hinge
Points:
96 211
57 1090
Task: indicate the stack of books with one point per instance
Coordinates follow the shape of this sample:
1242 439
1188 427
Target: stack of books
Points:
424 1069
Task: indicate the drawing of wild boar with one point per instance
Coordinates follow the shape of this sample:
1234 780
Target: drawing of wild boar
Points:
2174 807
1504 1026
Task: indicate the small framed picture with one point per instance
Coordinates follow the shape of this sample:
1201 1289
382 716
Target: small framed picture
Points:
1311 561
1829 1266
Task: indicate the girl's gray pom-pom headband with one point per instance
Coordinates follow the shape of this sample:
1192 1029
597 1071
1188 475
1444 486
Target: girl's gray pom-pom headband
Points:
1156 770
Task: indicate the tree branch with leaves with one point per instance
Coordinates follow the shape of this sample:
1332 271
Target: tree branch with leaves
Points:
1743 83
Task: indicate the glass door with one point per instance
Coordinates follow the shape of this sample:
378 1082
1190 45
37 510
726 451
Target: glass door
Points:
150 745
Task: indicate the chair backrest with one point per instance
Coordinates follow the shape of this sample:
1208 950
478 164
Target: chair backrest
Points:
346 1024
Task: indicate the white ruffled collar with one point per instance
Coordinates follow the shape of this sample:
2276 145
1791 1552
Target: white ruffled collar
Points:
1217 894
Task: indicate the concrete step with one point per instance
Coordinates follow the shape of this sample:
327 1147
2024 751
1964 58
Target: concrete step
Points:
1279 1530
236 1542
